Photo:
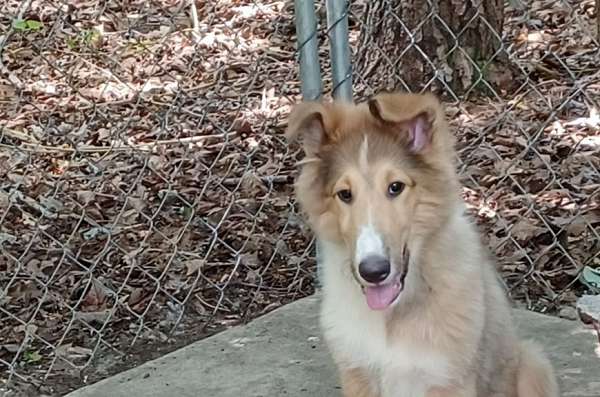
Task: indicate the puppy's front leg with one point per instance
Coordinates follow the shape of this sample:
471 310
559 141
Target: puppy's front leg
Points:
356 383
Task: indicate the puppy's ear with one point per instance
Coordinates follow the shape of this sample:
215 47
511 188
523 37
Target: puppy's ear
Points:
307 121
418 116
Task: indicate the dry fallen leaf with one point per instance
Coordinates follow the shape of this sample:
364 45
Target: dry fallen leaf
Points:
96 296
193 266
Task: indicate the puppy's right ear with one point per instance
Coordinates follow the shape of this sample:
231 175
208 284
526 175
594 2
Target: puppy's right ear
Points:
307 120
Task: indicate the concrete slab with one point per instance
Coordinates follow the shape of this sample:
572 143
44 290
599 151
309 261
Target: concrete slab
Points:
282 354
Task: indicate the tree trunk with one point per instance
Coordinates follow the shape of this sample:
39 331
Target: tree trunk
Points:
404 44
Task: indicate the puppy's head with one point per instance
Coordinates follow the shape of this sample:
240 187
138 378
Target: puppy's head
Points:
378 178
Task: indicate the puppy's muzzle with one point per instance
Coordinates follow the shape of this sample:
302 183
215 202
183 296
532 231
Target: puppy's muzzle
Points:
381 281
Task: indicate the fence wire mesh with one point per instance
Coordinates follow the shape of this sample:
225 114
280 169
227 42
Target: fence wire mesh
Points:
146 192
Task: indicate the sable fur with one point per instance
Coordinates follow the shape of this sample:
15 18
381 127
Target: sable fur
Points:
450 333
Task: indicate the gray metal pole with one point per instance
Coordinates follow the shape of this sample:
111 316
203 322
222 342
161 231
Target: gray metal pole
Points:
306 31
337 31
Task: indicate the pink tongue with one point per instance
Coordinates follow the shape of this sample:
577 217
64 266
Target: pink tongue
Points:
380 297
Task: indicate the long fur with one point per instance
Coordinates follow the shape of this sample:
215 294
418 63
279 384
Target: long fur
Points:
536 375
451 332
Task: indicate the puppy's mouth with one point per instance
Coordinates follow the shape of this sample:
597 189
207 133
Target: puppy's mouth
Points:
383 295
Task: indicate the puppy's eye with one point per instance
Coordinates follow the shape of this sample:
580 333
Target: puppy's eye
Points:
345 195
395 188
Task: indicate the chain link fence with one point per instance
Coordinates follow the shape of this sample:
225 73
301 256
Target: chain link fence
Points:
146 195
144 186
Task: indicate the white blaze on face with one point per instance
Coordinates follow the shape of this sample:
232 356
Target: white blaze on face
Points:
369 243
363 161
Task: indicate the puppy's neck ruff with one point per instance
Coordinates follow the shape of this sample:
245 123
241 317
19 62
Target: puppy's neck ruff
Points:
398 341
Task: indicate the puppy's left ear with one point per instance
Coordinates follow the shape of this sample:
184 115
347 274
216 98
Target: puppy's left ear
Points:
417 116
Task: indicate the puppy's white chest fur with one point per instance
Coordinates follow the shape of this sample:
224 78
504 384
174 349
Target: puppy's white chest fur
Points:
405 369
358 337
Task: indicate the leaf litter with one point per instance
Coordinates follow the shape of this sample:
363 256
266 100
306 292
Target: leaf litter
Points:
146 190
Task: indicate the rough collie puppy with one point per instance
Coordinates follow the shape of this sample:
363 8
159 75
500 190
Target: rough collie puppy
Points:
412 306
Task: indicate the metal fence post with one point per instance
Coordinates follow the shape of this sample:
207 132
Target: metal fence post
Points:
310 71
337 31
306 32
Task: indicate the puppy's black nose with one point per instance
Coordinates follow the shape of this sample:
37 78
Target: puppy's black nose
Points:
374 269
